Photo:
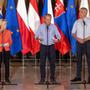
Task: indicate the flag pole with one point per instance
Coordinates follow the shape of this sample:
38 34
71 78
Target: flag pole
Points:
23 66
60 66
70 65
35 68
35 62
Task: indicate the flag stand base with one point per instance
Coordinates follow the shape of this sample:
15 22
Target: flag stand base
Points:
82 82
47 83
7 84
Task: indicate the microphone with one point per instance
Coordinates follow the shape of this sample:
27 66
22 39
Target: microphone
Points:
47 27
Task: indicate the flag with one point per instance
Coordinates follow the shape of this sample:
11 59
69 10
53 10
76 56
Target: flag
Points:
85 3
1 15
71 17
24 27
47 9
60 20
34 22
12 25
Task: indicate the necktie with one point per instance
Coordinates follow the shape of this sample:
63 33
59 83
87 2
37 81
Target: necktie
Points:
84 29
47 35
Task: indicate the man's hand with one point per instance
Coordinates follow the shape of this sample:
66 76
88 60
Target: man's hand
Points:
55 40
87 39
39 39
81 41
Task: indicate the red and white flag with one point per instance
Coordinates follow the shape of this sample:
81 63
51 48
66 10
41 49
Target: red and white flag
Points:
34 22
24 28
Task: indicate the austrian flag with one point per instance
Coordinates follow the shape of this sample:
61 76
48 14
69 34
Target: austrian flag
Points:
34 22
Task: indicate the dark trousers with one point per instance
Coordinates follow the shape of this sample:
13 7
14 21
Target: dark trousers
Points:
47 51
4 58
81 50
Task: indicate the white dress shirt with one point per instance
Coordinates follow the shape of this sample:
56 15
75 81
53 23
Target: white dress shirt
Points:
80 29
47 36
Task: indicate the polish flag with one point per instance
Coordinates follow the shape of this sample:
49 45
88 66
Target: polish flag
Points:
23 25
34 22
